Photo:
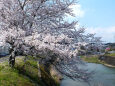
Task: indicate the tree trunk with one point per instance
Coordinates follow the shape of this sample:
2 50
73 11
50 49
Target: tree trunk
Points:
12 58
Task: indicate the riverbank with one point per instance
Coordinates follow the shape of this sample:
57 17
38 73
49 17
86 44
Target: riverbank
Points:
25 73
95 59
109 59
91 59
108 65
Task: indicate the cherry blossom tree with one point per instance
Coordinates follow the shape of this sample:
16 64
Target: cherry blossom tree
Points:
39 28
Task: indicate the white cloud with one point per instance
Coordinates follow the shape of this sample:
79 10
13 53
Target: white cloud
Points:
77 10
107 34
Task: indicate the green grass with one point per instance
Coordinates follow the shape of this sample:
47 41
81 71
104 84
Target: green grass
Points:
11 77
28 68
112 54
24 74
93 59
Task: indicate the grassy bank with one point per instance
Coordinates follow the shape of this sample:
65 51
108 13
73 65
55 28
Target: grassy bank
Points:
111 55
92 59
28 68
23 74
11 77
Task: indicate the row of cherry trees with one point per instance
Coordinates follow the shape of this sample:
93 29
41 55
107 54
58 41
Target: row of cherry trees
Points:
39 28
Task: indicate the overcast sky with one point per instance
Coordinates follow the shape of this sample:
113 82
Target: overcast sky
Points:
98 16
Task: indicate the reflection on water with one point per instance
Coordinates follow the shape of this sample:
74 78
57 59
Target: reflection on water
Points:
104 76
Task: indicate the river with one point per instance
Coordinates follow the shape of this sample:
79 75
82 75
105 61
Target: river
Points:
104 76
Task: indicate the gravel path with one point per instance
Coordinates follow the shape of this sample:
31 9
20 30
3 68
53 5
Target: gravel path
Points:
6 58
3 59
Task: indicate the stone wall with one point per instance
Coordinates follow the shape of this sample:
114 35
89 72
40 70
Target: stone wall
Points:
50 76
110 60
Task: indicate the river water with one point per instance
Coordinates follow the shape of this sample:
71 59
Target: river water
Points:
104 76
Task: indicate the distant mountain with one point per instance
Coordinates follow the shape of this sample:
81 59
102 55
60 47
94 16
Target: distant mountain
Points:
110 44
